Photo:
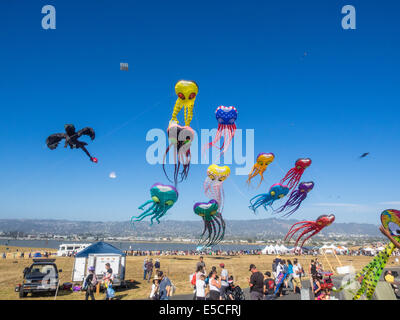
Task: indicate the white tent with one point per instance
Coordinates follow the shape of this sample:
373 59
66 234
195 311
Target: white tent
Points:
269 249
328 249
265 250
283 249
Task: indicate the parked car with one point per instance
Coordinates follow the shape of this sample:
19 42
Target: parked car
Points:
40 277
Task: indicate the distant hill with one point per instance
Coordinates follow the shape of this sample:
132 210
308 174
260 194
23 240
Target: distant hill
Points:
243 229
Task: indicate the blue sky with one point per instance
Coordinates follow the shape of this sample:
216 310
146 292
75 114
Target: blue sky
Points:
333 104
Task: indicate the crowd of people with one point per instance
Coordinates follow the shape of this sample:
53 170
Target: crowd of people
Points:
191 252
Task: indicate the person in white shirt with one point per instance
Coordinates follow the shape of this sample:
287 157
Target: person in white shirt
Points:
279 268
154 289
296 276
215 286
200 288
224 281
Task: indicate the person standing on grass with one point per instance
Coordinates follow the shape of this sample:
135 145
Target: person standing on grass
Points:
195 277
154 295
296 276
90 284
279 268
144 269
157 265
302 273
256 283
200 287
312 270
289 277
215 286
108 281
149 269
202 264
286 272
224 280
164 287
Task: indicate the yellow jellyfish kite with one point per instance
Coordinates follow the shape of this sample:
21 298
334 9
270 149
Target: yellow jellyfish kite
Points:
186 92
262 162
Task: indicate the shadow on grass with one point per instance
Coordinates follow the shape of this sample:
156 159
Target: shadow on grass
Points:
128 285
64 293
120 296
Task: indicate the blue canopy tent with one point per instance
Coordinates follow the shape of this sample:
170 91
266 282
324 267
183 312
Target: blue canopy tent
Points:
97 255
99 248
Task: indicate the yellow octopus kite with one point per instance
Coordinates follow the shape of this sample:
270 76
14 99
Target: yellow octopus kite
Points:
186 92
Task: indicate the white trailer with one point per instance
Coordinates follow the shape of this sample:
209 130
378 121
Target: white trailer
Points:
90 258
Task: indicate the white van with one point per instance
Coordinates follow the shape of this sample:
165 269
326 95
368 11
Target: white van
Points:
70 248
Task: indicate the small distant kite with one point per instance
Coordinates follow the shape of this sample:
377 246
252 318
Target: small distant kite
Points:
364 155
112 175
123 66
71 139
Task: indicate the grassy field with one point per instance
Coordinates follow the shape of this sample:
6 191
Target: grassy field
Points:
178 269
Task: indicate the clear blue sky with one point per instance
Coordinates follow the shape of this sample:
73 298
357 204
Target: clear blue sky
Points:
332 105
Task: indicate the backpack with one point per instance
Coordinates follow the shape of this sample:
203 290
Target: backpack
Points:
94 280
238 293
193 282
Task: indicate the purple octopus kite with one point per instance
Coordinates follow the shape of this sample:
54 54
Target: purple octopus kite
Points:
296 198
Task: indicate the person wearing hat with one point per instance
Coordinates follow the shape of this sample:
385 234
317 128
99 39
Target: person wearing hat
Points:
154 295
90 283
224 281
256 283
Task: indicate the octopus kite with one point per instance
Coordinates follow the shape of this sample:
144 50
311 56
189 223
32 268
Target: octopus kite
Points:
213 188
276 192
371 273
308 227
180 139
71 139
214 224
226 117
186 92
293 176
296 198
163 197
262 162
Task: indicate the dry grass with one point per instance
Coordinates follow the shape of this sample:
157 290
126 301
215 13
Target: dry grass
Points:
178 269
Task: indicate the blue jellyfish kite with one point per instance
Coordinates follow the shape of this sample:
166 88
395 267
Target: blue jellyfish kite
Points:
163 197
276 192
